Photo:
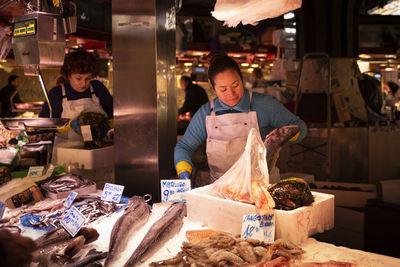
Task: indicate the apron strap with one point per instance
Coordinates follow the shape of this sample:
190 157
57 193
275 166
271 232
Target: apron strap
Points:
251 95
212 107
93 94
64 94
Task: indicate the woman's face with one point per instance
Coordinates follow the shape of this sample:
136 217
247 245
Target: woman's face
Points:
80 82
228 87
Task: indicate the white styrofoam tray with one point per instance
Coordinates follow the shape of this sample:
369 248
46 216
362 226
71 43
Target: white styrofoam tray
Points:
87 159
294 225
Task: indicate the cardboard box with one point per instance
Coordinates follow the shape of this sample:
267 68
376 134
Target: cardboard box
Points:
348 198
226 215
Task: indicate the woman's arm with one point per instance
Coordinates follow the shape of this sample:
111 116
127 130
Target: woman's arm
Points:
194 136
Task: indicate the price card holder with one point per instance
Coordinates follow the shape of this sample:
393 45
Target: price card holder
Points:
2 208
86 133
70 199
73 221
35 171
260 227
174 190
112 192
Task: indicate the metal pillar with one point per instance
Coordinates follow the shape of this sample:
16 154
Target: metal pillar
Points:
143 38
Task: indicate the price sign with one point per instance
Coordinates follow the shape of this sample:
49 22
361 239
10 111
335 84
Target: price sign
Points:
112 192
86 133
73 221
2 208
260 227
70 199
174 190
35 171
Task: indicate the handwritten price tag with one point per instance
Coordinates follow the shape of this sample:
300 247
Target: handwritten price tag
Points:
260 227
35 171
86 133
70 199
112 192
174 190
73 221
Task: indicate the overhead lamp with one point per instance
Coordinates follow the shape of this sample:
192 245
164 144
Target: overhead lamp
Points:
389 69
186 70
250 69
254 65
188 64
244 64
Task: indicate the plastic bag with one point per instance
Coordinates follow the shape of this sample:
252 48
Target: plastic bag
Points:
232 12
247 180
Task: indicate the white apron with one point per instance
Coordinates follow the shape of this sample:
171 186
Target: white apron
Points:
71 110
226 139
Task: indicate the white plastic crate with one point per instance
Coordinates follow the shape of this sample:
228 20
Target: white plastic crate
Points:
294 225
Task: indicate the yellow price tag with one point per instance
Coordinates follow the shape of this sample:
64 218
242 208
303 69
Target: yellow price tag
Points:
31 28
20 31
56 3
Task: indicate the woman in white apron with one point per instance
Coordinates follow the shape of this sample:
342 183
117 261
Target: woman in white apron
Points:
225 122
75 94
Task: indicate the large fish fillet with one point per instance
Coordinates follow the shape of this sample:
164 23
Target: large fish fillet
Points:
135 216
171 220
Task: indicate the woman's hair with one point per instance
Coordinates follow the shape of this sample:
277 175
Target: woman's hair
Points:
393 87
81 62
257 73
221 62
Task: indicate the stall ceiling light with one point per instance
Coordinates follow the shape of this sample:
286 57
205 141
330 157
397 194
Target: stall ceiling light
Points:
392 8
188 64
244 64
250 69
254 65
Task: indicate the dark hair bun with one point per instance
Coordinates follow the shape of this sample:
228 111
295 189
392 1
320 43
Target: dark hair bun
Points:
220 62
216 55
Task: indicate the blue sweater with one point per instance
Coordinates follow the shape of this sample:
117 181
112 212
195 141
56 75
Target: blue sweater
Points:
55 97
270 115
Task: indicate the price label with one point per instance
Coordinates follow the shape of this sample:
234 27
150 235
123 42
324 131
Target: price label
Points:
2 208
73 221
174 190
35 171
260 227
86 133
70 199
112 192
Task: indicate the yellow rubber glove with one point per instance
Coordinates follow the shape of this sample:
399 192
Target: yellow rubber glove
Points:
111 123
294 138
183 166
65 129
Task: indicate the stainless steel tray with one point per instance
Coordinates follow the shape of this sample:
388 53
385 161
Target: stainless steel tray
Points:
34 123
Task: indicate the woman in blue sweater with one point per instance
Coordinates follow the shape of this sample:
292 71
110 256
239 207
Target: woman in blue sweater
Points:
225 122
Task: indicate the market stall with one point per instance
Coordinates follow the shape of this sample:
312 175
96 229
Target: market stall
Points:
61 205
